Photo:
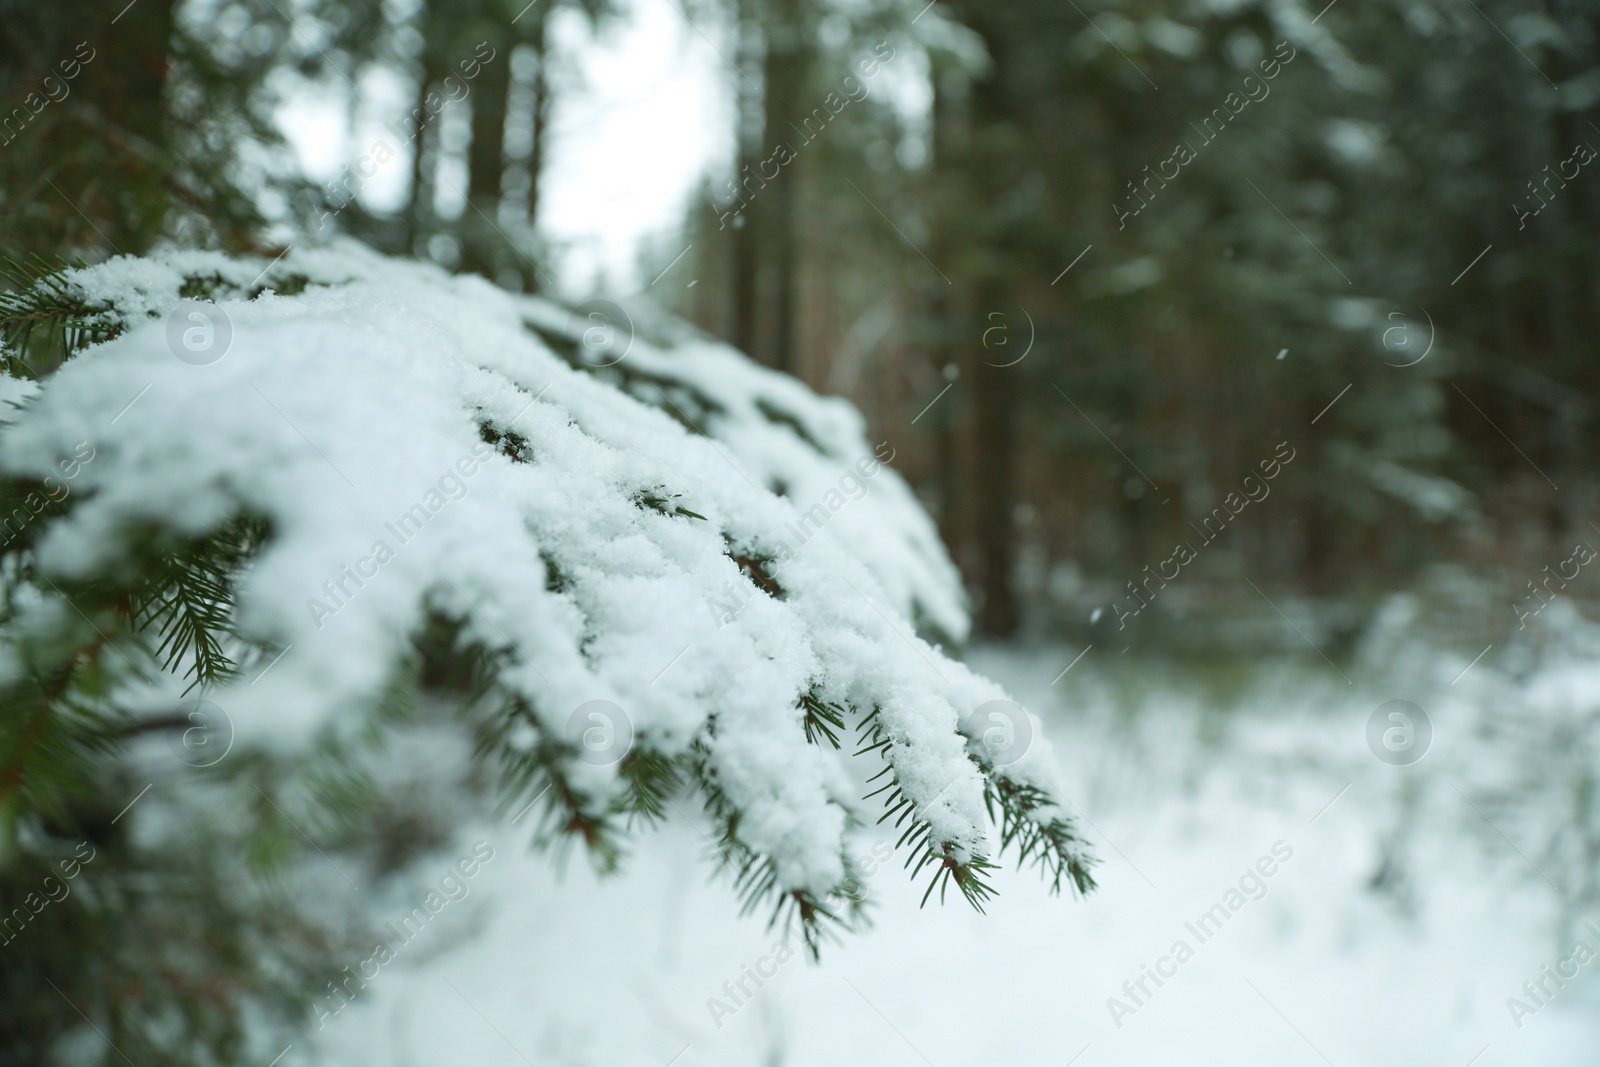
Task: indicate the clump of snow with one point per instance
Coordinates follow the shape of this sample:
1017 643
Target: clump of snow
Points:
779 435
417 444
14 392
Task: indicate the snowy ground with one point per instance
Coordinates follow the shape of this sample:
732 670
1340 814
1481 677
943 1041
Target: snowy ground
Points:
1394 933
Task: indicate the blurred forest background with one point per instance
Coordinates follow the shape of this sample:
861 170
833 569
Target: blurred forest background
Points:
965 218
1094 269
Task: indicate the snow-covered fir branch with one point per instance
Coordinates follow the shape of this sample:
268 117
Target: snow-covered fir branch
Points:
318 479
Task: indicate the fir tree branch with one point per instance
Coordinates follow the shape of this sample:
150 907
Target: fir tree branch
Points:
530 765
755 876
651 780
822 719
1053 845
187 598
660 501
58 724
43 321
969 876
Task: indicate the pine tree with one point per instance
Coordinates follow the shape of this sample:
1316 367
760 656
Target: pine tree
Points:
395 501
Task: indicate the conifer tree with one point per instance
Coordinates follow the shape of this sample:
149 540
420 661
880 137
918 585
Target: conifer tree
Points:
312 506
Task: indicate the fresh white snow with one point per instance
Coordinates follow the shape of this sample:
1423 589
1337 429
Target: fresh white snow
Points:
1186 796
348 417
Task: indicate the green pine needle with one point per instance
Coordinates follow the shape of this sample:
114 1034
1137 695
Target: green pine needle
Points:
969 876
187 599
823 720
43 321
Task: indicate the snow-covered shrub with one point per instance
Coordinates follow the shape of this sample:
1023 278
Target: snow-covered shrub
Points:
304 490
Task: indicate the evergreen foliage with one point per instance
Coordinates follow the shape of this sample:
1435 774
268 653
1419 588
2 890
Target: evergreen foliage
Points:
101 663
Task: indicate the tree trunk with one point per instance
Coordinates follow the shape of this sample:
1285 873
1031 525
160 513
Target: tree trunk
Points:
786 67
483 248
995 399
541 115
995 388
